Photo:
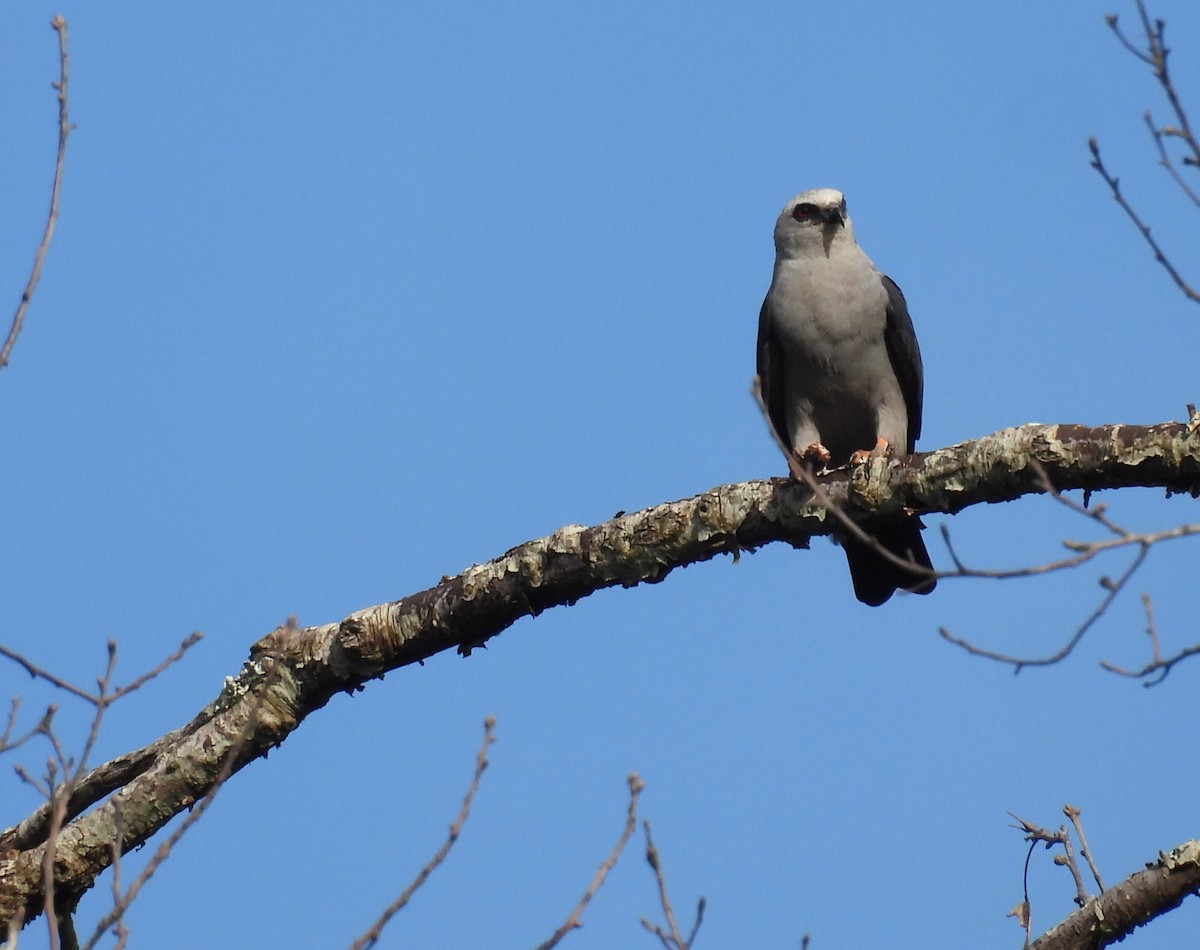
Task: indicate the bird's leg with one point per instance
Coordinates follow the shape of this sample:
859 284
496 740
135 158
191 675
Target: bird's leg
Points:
816 454
883 449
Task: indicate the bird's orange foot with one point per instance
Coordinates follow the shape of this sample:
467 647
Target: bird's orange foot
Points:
883 449
815 453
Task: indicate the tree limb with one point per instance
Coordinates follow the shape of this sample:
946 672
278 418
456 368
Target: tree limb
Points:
293 671
1120 910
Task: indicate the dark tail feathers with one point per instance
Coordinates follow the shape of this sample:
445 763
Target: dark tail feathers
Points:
875 577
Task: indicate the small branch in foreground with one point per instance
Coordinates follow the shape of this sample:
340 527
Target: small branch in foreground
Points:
803 473
573 920
64 130
371 937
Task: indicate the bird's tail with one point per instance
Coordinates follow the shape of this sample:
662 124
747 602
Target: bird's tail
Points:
875 577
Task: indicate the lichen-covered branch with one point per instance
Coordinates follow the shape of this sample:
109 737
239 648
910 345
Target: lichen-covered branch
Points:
294 671
1138 899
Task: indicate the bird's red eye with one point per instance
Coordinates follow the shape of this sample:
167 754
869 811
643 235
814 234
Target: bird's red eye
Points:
803 212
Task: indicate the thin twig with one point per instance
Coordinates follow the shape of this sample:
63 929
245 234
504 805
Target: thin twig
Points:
1033 833
1115 186
104 696
1086 551
1068 859
38 673
64 129
1024 910
700 905
669 937
1112 588
1161 667
371 937
1111 20
573 921
1155 56
118 898
1157 664
140 681
7 743
856 531
654 862
1073 813
1164 159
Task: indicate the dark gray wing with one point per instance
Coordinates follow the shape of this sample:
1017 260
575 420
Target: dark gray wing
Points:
901 340
770 372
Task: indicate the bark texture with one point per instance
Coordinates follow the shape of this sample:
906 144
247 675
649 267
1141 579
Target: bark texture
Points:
1138 899
292 671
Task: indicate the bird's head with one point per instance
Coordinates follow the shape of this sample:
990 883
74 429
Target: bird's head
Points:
813 219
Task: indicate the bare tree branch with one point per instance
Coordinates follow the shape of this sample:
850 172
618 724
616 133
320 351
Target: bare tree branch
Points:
292 672
1073 812
1155 56
1138 899
669 936
573 920
122 900
1157 669
39 257
1035 834
371 937
106 694
1114 185
1112 589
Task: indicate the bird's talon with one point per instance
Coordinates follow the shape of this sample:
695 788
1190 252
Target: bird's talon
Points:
882 450
816 454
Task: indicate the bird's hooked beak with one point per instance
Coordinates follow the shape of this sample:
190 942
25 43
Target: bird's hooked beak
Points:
833 214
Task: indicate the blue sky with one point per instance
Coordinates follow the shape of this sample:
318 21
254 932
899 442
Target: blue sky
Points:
348 297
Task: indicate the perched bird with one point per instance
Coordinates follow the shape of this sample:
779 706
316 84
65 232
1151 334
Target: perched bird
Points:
840 372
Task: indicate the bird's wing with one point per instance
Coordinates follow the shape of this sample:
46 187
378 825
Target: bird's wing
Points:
905 355
770 366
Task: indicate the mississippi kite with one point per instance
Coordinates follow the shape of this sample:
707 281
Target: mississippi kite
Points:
840 372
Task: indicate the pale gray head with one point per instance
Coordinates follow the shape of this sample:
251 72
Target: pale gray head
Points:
813 220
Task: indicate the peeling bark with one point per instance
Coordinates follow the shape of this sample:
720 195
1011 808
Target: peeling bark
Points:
292 672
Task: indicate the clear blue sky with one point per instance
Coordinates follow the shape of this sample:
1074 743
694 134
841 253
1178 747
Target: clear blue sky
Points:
346 297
